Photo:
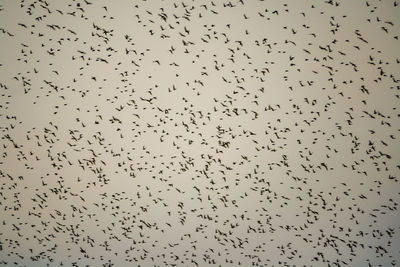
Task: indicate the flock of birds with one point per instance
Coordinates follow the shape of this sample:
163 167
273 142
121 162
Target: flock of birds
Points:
199 133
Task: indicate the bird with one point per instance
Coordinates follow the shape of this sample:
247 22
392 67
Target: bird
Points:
196 133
